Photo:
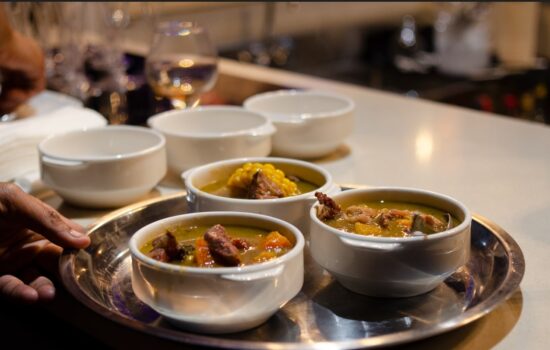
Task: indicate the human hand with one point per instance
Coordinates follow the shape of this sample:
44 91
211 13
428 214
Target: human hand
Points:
22 70
32 235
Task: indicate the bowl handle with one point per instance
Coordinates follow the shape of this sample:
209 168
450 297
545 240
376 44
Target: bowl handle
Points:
253 276
62 162
185 174
380 247
260 133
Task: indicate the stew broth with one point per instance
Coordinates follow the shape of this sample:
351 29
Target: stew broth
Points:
254 245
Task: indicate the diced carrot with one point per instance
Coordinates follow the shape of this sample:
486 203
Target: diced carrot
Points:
202 253
406 223
368 229
276 240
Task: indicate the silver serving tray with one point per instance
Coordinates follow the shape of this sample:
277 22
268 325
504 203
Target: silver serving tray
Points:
323 315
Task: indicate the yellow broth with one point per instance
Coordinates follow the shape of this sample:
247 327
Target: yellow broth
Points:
396 227
220 188
256 238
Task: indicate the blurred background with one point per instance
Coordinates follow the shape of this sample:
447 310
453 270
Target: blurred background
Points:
486 56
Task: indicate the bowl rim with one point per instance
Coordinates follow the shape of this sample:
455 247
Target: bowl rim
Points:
188 175
109 128
434 236
297 92
162 266
264 129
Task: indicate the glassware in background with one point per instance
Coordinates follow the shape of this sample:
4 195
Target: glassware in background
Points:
104 58
269 49
59 29
462 38
83 49
182 63
104 55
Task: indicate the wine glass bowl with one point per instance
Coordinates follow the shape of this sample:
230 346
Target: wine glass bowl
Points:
182 63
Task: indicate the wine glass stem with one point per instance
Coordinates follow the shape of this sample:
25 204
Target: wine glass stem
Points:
191 101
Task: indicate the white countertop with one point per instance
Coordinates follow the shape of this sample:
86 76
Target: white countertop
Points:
498 166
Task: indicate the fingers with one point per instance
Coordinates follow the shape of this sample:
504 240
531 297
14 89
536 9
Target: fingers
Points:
42 285
40 288
18 90
23 71
13 289
48 259
75 226
29 212
32 250
12 98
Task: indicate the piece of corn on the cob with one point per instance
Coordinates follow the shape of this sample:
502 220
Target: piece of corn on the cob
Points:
242 177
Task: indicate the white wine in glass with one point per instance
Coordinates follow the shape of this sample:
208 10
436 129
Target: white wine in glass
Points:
182 63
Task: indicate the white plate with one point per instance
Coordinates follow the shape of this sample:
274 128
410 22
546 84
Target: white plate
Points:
18 157
43 103
48 101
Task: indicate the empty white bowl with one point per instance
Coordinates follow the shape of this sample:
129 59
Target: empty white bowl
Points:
387 266
208 134
309 124
220 299
293 209
103 167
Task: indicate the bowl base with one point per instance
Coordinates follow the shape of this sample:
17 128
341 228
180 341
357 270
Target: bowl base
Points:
103 199
217 328
385 289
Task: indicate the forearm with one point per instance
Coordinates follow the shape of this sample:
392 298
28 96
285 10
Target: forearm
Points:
6 31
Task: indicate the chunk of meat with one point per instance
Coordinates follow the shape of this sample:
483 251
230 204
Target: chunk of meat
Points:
426 224
384 216
327 209
158 254
241 244
383 220
220 246
399 213
360 213
261 187
169 244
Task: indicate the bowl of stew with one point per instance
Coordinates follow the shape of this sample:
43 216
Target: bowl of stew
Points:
389 241
217 272
278 187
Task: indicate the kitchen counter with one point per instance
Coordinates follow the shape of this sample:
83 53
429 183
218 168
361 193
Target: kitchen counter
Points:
498 167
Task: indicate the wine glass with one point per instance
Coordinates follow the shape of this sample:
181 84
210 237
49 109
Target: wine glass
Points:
182 63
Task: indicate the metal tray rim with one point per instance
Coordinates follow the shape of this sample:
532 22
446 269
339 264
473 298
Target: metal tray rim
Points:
511 282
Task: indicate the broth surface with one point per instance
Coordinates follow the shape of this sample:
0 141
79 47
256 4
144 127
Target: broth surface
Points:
220 188
262 245
391 219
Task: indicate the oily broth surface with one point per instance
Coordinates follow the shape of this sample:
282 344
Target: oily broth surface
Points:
393 229
188 235
220 188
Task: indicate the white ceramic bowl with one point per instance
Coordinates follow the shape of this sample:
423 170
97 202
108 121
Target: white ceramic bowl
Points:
292 209
392 267
103 167
223 299
208 134
309 124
